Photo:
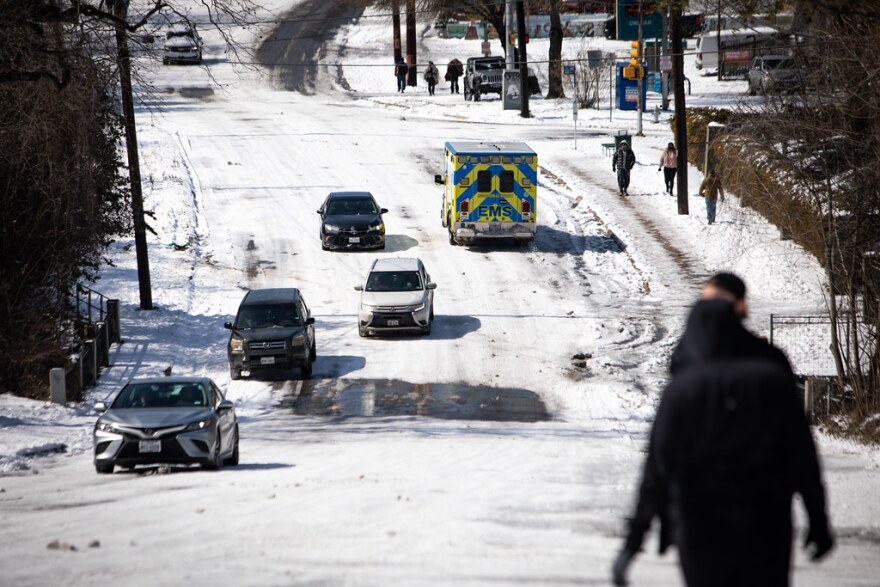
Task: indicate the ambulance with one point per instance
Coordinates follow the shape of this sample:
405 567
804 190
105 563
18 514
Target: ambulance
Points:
489 191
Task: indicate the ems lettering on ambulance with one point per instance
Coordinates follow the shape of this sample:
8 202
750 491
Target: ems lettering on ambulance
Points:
492 192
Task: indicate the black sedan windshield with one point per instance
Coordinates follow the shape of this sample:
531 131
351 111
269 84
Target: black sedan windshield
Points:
351 207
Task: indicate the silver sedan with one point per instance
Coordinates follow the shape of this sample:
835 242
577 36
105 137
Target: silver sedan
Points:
173 420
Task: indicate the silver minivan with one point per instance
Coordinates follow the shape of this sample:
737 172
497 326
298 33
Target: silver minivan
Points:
397 295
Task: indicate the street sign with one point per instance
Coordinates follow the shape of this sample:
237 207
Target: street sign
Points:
665 63
568 69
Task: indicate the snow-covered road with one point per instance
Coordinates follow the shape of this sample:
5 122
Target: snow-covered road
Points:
354 493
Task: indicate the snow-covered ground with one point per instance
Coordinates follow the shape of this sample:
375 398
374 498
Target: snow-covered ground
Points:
237 168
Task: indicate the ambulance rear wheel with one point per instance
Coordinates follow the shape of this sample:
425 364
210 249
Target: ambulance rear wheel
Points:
452 240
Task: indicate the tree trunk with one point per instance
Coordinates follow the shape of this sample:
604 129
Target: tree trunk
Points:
395 24
554 69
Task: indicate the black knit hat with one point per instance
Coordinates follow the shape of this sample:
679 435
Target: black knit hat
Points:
729 283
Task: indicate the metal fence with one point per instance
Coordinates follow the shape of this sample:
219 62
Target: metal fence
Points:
96 327
806 341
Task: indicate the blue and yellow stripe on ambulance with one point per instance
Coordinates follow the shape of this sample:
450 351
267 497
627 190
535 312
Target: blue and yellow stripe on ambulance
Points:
494 198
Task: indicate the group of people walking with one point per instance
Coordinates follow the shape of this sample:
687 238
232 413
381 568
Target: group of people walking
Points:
431 75
624 160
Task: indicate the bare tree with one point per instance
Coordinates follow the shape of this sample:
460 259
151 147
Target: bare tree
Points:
807 161
554 67
62 193
63 196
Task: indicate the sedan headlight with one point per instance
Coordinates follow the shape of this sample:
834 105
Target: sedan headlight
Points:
199 425
298 340
236 344
105 427
378 225
331 228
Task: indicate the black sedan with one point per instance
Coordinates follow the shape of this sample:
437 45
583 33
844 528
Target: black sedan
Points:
351 220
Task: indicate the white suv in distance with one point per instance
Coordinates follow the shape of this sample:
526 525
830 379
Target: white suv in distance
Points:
398 295
182 44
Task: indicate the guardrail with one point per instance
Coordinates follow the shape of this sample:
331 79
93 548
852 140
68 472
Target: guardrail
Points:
96 321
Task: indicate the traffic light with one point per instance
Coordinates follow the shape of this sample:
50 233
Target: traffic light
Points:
634 70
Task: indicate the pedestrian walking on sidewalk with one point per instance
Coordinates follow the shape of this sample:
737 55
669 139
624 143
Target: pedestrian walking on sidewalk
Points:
710 189
623 161
400 71
669 165
454 70
432 76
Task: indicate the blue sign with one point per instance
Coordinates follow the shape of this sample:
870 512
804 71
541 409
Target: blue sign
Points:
568 69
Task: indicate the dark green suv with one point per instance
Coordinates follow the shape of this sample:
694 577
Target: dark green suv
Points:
273 329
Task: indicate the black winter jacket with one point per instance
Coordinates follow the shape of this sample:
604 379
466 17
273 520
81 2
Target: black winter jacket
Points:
623 159
729 433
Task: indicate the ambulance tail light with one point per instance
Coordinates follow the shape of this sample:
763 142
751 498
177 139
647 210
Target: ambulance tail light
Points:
526 211
464 208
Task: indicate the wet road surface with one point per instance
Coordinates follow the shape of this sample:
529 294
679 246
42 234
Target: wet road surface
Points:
448 401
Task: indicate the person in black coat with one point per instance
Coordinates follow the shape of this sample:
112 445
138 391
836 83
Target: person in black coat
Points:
401 69
727 286
728 449
623 161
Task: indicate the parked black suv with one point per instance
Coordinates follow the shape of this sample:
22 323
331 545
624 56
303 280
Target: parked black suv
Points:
273 329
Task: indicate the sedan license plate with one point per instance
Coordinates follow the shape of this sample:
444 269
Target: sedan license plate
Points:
150 446
267 360
394 323
354 240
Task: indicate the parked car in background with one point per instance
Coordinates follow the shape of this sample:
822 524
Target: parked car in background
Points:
397 295
352 220
485 75
273 329
736 47
770 74
173 420
182 44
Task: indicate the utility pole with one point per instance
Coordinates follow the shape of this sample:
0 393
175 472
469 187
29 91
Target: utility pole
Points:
521 34
395 24
680 114
718 41
510 51
412 73
639 106
664 52
120 10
